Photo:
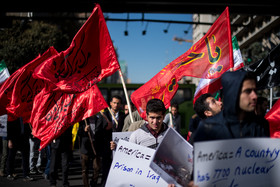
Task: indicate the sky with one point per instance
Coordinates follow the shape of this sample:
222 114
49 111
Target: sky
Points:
146 55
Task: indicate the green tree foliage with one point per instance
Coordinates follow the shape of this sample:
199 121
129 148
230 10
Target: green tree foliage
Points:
25 40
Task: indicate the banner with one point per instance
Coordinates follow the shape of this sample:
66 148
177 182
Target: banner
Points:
237 162
130 167
90 58
54 112
18 91
267 69
213 85
173 159
209 58
25 87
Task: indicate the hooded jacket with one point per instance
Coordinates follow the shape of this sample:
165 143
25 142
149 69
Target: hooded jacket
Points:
144 137
226 125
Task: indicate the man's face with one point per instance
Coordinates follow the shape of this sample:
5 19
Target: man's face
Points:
248 96
174 111
126 111
214 106
115 104
155 120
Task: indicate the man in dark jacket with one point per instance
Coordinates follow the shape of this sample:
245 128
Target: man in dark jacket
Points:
89 150
104 128
237 119
61 152
18 135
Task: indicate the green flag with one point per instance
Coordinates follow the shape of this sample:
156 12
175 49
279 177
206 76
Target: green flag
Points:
4 72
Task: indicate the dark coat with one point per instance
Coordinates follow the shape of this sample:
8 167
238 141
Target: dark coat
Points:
102 123
64 141
18 132
104 136
85 142
226 124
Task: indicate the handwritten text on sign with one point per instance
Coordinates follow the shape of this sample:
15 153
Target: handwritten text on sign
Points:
130 167
116 136
238 162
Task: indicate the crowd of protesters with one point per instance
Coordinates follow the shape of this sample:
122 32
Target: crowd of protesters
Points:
240 114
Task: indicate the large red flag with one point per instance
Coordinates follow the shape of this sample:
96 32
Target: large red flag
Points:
54 112
90 58
18 92
213 85
209 58
273 117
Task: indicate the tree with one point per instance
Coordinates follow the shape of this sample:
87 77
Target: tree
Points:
25 40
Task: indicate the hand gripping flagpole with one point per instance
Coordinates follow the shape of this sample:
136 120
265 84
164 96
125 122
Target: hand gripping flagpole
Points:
113 117
91 143
126 96
170 115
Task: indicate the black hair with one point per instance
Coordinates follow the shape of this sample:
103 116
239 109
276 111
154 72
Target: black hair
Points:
250 76
116 97
175 105
200 105
155 105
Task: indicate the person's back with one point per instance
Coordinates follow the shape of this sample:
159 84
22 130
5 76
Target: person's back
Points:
228 124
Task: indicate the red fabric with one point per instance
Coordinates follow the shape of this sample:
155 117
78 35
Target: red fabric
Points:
18 92
90 58
209 58
54 112
210 85
273 117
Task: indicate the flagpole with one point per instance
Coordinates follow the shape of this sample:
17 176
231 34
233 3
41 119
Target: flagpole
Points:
170 115
126 96
113 117
89 135
270 102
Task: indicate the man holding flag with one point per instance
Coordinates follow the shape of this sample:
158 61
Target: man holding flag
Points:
209 58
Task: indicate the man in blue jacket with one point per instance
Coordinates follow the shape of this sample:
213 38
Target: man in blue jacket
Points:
237 119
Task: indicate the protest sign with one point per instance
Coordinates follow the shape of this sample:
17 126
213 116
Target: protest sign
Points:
3 125
116 136
121 136
173 159
130 167
238 162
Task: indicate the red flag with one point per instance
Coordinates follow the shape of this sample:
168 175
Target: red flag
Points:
18 92
90 58
54 112
273 117
209 58
213 85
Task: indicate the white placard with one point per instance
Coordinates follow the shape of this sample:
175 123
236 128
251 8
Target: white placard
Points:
3 125
237 162
116 136
130 167
173 159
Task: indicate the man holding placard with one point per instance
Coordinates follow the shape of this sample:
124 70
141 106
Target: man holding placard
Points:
151 133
